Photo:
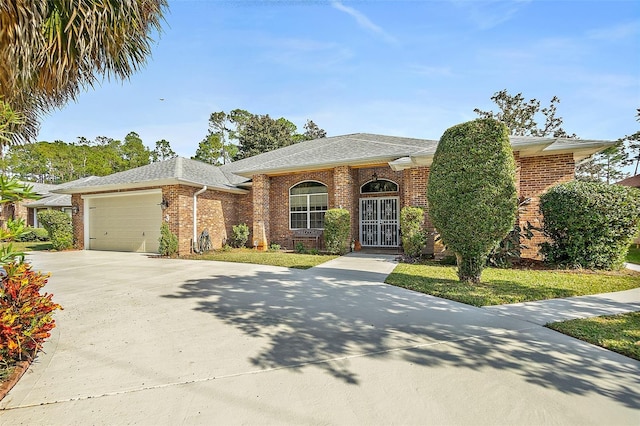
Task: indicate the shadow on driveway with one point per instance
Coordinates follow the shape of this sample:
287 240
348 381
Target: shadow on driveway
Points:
322 316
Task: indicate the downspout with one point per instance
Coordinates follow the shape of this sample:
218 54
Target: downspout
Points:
195 218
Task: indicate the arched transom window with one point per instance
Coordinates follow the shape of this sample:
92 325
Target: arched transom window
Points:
379 185
308 202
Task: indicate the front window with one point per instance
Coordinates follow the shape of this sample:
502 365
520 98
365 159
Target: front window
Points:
308 202
379 185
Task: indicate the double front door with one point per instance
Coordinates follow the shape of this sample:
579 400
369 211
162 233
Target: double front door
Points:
379 224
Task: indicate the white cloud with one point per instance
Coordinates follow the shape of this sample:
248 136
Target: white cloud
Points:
618 32
487 14
363 21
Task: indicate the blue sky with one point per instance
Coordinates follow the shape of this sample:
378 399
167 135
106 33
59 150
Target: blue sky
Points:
402 68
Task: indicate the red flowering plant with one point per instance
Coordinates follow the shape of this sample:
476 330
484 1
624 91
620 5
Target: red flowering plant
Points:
26 315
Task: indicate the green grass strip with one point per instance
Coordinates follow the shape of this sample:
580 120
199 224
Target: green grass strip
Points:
504 286
618 333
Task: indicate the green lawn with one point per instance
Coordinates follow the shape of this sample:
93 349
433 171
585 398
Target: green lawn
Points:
618 333
634 255
503 286
30 246
276 258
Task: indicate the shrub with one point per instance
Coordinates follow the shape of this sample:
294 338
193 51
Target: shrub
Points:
26 316
299 248
274 247
337 227
589 224
472 192
508 250
240 235
58 225
34 234
168 241
411 227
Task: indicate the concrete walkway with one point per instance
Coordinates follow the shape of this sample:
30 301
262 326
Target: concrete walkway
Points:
158 341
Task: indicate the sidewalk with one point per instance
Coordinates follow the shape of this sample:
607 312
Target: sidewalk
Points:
546 311
543 312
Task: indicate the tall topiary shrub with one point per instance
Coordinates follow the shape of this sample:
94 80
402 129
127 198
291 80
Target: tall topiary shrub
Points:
58 225
337 228
589 224
412 229
472 192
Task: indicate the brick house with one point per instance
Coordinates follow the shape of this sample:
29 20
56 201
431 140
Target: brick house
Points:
282 191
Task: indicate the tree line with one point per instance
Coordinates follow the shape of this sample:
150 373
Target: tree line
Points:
231 136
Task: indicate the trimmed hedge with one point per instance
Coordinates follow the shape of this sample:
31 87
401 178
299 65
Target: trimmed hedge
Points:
337 229
34 234
58 225
414 237
589 224
472 192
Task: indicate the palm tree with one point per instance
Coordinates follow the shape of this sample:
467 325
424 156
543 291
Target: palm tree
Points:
52 49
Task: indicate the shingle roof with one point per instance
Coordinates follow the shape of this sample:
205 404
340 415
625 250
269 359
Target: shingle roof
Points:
365 148
51 200
40 188
631 181
354 149
177 170
358 149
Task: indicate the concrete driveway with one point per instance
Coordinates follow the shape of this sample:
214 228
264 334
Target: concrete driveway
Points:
157 341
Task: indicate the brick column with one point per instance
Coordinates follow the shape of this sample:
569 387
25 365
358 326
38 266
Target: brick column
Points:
261 186
77 222
344 195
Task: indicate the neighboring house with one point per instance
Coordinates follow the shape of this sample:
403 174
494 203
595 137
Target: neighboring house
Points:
288 189
50 201
633 181
22 209
28 209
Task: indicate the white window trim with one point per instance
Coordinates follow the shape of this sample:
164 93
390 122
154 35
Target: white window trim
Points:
308 211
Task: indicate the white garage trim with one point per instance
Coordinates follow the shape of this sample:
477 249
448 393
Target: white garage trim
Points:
87 207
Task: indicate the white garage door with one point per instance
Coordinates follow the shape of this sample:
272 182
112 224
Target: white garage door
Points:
125 222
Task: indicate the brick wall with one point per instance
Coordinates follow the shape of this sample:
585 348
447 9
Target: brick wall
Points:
537 175
245 212
279 202
217 213
415 195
